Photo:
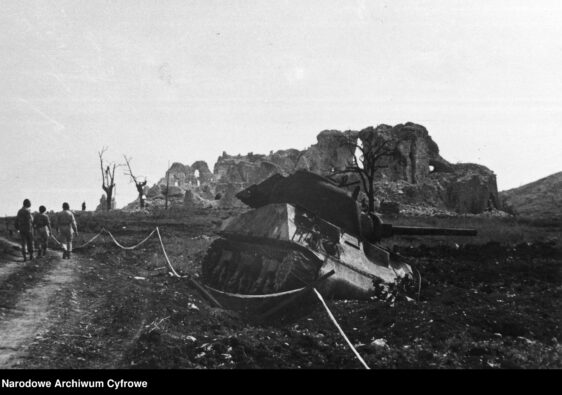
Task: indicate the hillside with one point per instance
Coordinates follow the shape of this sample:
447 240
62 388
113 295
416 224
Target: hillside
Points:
541 198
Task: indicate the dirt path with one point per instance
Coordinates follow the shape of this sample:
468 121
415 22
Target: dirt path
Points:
28 300
10 258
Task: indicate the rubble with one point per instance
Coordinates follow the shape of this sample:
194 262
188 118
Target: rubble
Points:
102 206
415 174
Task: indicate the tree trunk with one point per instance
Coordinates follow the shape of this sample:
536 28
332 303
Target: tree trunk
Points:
167 185
141 200
108 198
371 196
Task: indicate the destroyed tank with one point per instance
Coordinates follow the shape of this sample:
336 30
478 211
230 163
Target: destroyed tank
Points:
304 228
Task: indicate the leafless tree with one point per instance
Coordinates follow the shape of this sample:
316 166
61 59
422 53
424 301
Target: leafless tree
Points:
366 161
108 178
167 186
138 184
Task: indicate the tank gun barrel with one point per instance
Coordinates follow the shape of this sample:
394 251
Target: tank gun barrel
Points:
392 230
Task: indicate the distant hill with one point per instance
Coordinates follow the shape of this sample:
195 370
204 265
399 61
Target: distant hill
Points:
541 198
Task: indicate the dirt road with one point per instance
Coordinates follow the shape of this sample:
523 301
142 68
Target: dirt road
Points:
25 310
59 313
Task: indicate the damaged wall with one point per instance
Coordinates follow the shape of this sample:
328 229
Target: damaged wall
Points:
416 173
471 188
102 206
416 151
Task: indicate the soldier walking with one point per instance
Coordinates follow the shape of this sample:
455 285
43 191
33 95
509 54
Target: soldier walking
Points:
42 225
24 224
67 228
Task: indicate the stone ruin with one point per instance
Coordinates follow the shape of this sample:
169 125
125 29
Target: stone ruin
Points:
415 175
102 206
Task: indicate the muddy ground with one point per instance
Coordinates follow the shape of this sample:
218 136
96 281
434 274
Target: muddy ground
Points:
487 305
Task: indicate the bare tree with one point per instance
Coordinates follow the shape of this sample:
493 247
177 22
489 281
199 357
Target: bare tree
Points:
167 186
367 165
108 178
138 184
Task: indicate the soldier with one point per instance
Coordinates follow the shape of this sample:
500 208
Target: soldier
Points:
42 225
66 226
24 224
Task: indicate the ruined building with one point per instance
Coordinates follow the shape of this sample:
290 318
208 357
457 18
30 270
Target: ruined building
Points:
415 174
102 206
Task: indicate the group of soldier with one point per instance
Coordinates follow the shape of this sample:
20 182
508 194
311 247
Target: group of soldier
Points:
38 226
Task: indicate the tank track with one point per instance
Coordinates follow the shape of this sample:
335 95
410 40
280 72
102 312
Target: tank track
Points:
256 269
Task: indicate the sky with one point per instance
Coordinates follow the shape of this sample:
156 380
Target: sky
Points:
178 81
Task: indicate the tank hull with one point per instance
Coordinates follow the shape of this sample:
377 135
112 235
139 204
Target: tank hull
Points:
280 248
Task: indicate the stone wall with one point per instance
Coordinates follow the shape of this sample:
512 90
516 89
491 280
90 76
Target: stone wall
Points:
102 206
415 171
471 189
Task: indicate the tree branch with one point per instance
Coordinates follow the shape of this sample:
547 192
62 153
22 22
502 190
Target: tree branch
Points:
130 173
100 154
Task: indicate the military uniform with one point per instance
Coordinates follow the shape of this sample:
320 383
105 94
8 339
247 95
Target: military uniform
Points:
66 224
42 226
24 224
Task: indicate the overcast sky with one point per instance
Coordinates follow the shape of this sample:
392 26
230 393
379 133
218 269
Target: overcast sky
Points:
185 80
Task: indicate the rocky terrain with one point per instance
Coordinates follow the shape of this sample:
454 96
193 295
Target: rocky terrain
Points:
416 173
541 198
